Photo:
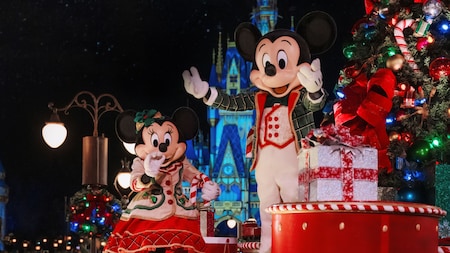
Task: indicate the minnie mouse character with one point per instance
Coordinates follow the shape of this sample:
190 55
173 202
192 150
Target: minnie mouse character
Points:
290 90
160 217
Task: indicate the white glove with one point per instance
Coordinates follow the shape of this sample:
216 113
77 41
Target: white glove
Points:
152 163
210 191
310 76
193 84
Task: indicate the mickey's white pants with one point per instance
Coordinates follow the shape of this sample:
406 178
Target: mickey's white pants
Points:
276 174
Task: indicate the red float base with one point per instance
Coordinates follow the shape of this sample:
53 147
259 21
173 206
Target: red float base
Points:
354 227
220 244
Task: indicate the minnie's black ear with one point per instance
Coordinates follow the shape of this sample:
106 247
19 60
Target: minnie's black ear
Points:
125 126
319 30
246 35
187 122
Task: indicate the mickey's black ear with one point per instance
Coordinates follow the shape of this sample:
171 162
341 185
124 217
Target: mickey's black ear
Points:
246 35
319 30
125 126
187 122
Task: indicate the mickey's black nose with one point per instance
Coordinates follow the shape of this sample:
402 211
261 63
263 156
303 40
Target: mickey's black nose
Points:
270 69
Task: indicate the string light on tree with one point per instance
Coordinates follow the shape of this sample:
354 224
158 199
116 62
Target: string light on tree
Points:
93 212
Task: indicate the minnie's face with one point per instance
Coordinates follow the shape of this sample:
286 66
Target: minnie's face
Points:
277 66
161 138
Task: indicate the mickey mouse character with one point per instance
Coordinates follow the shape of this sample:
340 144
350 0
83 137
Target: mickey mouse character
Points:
289 91
160 217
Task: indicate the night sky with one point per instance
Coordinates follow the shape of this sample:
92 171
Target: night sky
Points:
134 49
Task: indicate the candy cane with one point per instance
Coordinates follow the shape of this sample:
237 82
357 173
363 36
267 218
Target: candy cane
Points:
197 182
249 245
400 38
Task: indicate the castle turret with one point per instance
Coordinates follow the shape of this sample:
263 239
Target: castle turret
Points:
265 15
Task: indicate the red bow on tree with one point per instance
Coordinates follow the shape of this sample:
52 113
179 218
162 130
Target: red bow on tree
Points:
365 108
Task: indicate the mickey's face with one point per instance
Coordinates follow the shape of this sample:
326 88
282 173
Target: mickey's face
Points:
277 66
161 138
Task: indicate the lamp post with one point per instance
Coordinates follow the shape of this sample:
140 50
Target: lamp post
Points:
95 148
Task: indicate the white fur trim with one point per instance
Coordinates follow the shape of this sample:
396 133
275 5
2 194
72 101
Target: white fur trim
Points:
212 97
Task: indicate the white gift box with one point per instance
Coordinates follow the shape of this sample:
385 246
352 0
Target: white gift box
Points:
338 173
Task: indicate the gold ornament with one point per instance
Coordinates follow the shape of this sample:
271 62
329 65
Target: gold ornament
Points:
395 62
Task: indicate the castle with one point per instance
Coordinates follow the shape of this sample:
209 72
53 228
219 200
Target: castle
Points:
222 156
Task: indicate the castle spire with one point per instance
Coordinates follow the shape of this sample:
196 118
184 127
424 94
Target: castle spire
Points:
219 63
265 15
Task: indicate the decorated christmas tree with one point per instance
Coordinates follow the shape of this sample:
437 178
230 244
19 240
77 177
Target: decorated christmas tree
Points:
396 83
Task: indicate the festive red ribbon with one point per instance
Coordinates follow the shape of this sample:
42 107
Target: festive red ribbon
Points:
338 134
306 180
337 173
369 6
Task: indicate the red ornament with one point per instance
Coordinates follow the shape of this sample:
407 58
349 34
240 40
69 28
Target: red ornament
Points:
407 138
422 43
440 67
352 71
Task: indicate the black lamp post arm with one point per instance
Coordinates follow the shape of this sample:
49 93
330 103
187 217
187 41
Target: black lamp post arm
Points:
96 107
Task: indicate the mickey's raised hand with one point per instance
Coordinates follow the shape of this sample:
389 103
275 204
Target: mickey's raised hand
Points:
193 84
310 76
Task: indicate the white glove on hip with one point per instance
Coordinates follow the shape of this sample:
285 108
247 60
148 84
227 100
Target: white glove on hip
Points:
152 163
193 84
310 76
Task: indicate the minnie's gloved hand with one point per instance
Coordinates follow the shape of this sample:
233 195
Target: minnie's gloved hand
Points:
210 191
194 84
152 163
310 76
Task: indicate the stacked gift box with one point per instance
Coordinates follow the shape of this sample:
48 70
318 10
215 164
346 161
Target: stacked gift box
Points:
337 170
